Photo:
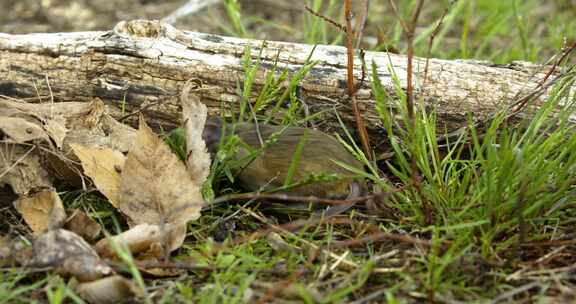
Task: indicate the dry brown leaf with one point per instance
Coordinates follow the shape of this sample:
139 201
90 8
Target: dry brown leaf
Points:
20 168
19 130
113 289
56 127
83 225
155 187
194 115
69 255
43 111
144 238
95 128
48 118
42 210
103 166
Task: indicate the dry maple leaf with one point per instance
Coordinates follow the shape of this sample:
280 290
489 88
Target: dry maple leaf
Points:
42 210
38 120
103 166
19 130
155 186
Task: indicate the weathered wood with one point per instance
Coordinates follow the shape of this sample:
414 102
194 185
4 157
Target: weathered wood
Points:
143 65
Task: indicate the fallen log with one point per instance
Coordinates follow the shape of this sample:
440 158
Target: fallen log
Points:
141 66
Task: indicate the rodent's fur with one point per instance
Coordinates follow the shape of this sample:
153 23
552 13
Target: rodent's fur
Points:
269 170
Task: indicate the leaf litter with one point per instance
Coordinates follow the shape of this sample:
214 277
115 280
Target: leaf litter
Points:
134 169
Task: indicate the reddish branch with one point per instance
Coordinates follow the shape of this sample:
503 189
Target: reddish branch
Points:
334 23
360 124
350 34
410 32
558 62
431 40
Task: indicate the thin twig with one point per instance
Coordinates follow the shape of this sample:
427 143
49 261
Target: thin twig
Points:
378 236
398 16
20 159
409 69
557 63
362 24
360 124
140 110
539 91
363 70
287 228
431 41
542 85
330 21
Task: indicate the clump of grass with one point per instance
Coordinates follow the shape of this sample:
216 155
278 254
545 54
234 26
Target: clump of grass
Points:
492 191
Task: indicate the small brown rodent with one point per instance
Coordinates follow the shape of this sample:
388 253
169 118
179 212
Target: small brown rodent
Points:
319 155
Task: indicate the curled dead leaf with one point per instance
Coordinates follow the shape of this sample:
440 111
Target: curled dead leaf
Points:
19 130
88 124
42 210
69 255
103 166
112 289
194 115
34 120
145 238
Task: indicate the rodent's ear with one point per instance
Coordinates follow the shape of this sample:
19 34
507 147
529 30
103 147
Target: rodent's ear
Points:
212 132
